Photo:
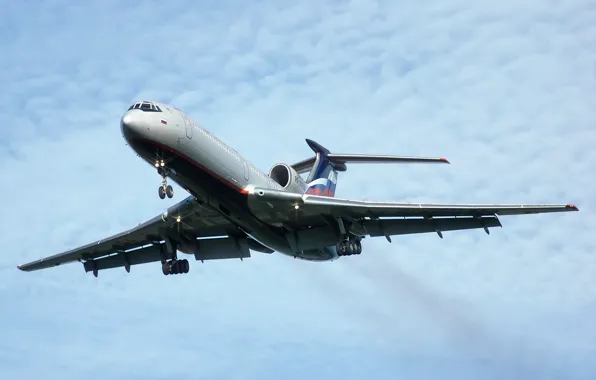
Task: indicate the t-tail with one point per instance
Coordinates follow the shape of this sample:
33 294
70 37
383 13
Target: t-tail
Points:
324 166
323 175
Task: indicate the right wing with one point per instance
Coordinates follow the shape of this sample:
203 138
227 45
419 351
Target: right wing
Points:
185 221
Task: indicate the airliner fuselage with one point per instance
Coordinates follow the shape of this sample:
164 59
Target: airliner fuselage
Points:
210 170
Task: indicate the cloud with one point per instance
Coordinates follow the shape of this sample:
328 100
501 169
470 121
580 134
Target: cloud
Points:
505 91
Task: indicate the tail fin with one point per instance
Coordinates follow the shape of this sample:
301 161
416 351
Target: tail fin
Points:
325 165
322 179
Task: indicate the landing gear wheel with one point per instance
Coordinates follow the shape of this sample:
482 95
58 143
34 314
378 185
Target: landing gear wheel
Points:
352 248
349 247
163 171
169 191
175 267
184 266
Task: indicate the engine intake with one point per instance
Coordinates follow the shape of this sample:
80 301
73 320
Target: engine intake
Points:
288 178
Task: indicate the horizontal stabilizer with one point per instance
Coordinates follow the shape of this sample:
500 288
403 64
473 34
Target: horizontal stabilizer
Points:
339 161
367 158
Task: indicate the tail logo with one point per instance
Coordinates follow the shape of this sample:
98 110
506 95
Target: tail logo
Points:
323 186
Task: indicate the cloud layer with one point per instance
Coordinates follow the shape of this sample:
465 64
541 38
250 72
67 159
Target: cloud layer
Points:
505 92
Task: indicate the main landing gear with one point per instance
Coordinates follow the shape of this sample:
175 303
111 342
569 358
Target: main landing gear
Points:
349 247
350 244
165 189
175 267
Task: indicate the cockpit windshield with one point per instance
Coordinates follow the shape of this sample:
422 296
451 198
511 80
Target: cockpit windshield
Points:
145 106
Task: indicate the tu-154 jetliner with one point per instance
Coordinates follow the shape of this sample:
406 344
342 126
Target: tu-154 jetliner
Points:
234 208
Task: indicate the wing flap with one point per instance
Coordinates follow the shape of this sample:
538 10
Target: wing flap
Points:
206 249
138 256
390 227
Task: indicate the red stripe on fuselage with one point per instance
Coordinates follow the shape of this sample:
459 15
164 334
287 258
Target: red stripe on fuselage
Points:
199 166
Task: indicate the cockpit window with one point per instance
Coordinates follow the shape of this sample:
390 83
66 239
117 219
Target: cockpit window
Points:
145 107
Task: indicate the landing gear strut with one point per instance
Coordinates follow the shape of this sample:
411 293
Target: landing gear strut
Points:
165 189
175 267
349 247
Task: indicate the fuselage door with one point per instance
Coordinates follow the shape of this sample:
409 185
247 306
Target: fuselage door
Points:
187 125
245 170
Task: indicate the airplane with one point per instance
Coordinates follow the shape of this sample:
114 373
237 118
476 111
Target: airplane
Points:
235 208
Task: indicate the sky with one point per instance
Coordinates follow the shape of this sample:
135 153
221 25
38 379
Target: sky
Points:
505 90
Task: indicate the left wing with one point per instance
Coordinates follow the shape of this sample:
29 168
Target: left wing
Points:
355 208
183 222
299 210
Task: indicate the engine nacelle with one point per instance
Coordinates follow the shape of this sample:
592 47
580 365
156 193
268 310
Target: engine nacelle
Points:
288 178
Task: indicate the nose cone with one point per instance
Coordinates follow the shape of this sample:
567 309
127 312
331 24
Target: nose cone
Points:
132 124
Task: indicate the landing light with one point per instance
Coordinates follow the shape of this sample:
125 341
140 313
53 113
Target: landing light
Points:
296 207
178 219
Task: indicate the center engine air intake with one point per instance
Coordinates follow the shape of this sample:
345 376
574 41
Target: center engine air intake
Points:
287 178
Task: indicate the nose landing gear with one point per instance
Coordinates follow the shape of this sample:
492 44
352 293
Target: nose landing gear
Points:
165 189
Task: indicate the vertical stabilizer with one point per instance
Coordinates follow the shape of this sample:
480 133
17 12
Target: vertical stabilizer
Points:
322 179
